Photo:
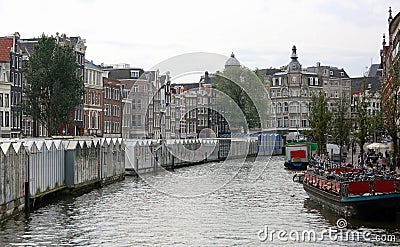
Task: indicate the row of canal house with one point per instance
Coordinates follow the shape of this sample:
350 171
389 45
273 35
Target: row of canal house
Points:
123 101
119 100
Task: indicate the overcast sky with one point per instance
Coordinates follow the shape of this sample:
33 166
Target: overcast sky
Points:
342 33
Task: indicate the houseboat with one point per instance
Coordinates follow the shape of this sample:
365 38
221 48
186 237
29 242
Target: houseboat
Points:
299 154
354 192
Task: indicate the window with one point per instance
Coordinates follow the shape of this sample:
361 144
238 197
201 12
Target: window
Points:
286 122
7 119
294 107
134 123
134 74
1 119
316 81
304 93
293 122
135 88
286 107
279 122
304 108
1 99
6 101
133 104
304 122
279 109
341 73
331 72
311 81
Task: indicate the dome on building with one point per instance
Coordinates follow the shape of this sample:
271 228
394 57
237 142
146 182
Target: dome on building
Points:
294 65
232 61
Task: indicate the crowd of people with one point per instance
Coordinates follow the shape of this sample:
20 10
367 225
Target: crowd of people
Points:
370 165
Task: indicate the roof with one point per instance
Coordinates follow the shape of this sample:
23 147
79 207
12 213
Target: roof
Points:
373 70
232 61
294 64
268 72
337 72
91 65
124 74
358 84
5 48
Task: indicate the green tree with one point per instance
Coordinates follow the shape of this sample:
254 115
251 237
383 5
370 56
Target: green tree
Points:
319 119
362 119
341 124
376 122
54 89
236 82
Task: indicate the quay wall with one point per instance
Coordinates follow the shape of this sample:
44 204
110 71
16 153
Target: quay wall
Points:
149 155
31 169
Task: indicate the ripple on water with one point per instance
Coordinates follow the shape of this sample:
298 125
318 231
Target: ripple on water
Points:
133 213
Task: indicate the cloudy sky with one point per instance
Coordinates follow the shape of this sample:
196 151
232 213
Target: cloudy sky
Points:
261 33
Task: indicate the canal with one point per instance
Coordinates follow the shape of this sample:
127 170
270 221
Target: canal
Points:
147 212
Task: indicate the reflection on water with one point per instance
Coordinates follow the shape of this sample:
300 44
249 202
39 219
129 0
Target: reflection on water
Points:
133 213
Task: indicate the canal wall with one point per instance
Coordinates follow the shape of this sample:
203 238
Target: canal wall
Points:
149 155
30 170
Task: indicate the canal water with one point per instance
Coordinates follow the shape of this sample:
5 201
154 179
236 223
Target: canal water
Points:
247 210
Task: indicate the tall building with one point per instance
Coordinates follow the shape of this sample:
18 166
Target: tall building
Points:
390 54
11 60
290 92
366 88
128 76
336 84
112 108
6 71
93 105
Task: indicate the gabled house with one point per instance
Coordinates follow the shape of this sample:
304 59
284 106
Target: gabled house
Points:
11 86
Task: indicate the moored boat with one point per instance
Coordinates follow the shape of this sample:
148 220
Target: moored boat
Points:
298 154
354 192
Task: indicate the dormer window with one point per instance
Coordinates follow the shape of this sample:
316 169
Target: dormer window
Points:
341 73
134 73
331 72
